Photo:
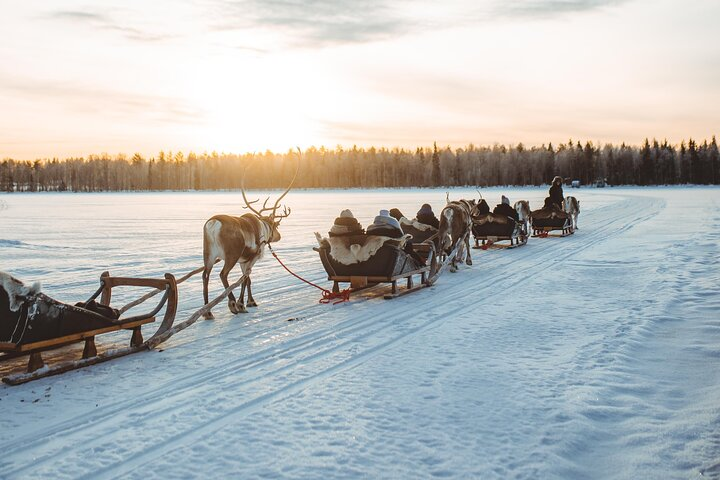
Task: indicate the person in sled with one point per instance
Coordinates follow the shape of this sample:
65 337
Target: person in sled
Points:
387 226
426 216
345 225
550 204
504 208
482 207
556 192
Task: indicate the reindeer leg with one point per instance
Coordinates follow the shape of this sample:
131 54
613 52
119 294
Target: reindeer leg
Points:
468 259
206 279
250 300
241 306
229 264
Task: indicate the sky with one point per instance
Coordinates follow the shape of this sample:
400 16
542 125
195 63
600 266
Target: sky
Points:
79 77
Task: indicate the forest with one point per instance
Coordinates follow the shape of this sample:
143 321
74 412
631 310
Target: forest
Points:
653 163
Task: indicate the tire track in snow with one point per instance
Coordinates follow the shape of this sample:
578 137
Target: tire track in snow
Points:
355 325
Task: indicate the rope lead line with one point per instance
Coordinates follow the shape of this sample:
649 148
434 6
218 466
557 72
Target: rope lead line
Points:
327 295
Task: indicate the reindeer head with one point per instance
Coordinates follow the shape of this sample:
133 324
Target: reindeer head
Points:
274 218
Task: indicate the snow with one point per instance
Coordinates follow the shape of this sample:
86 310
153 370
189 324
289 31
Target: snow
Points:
591 356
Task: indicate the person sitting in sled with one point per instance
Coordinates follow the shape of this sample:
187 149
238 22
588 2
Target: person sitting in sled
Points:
387 226
482 207
426 216
550 204
345 225
556 192
504 208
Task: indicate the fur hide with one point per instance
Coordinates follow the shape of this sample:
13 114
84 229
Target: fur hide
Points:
491 218
415 224
349 251
16 290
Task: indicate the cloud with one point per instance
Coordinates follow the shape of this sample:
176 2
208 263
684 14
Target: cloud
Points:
104 22
84 99
313 22
549 8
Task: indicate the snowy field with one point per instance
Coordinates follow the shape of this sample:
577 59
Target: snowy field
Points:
595 356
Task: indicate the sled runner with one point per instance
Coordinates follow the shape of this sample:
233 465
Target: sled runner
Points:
548 220
32 323
365 261
491 228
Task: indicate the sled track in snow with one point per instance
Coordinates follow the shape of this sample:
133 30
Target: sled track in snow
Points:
328 350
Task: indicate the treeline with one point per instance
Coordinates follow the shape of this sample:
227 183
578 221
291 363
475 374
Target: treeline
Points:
653 163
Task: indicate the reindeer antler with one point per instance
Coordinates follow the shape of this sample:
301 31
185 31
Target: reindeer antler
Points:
286 211
242 189
265 208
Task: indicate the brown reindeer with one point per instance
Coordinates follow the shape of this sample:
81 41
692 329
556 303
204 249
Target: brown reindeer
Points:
456 222
240 240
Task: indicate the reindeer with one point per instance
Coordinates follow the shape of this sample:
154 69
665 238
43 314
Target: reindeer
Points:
522 207
240 239
571 205
456 222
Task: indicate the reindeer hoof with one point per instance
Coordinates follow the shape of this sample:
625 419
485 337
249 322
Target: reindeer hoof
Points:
252 303
233 307
241 309
469 262
209 316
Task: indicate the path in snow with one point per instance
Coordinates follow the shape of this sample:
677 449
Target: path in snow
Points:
592 356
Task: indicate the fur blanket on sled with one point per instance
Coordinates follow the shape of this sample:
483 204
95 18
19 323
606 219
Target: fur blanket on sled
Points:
406 222
16 290
492 218
548 213
358 248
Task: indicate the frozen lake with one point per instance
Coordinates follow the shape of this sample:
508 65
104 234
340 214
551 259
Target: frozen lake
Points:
591 356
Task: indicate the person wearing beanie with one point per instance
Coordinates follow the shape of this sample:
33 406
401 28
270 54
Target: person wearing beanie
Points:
483 208
504 208
385 225
346 224
396 214
556 192
426 216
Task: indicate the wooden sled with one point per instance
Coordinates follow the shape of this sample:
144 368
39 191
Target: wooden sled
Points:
492 228
44 324
545 221
389 264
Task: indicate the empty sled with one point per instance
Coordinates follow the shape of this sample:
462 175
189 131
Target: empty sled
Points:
32 323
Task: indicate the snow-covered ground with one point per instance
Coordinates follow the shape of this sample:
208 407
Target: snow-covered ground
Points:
591 356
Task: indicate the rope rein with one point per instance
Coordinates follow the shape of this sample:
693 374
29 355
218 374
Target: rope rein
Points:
327 295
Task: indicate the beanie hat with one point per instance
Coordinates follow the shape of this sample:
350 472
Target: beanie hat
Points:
426 209
384 218
505 200
557 180
345 224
